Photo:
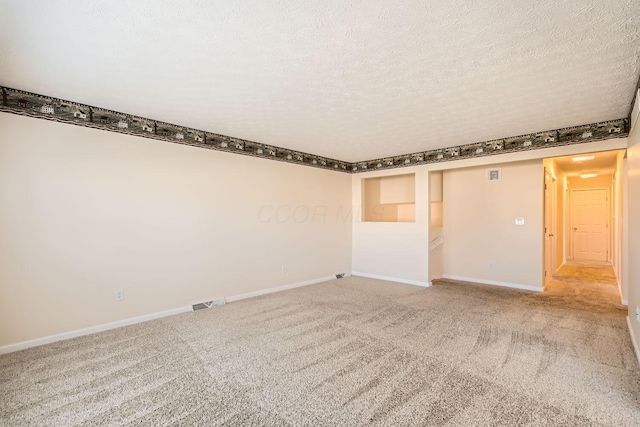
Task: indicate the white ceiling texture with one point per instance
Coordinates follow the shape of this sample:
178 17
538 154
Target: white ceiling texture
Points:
347 79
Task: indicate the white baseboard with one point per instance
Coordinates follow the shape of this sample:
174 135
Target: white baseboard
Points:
392 279
106 326
91 330
622 300
494 283
278 289
633 340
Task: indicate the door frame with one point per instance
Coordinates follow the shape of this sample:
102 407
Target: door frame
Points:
550 251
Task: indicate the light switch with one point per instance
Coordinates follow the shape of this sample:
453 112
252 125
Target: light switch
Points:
519 221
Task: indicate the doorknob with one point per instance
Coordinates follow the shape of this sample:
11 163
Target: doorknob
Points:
575 228
550 235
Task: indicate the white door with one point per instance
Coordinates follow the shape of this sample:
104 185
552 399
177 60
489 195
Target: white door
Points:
589 228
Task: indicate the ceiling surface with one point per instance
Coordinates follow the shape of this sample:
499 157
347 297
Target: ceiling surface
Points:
602 163
350 80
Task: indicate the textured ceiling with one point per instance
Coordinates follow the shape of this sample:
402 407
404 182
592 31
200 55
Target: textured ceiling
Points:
351 80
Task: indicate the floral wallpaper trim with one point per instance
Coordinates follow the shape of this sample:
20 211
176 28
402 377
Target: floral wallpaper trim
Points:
44 107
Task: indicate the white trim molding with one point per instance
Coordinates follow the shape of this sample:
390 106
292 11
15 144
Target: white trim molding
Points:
91 330
633 340
125 322
622 300
494 283
392 279
279 289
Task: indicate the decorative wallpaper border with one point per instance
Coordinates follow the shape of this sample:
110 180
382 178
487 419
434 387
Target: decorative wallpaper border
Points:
48 108
29 104
633 101
551 138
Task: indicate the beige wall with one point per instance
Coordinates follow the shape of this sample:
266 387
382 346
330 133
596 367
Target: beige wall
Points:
389 199
398 189
557 188
372 210
481 239
401 250
618 231
436 251
84 212
600 181
560 191
625 230
397 250
633 230
561 209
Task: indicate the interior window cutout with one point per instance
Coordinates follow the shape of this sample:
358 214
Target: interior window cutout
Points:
389 198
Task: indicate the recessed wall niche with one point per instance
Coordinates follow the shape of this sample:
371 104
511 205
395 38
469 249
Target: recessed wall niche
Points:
435 199
389 198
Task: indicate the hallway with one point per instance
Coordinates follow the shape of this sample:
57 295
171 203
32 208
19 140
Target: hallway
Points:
591 285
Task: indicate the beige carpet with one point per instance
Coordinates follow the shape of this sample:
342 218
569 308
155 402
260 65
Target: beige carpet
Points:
350 352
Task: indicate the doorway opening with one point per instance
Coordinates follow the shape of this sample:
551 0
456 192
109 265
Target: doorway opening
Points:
583 199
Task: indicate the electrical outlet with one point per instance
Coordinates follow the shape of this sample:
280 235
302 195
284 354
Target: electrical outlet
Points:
119 295
284 268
